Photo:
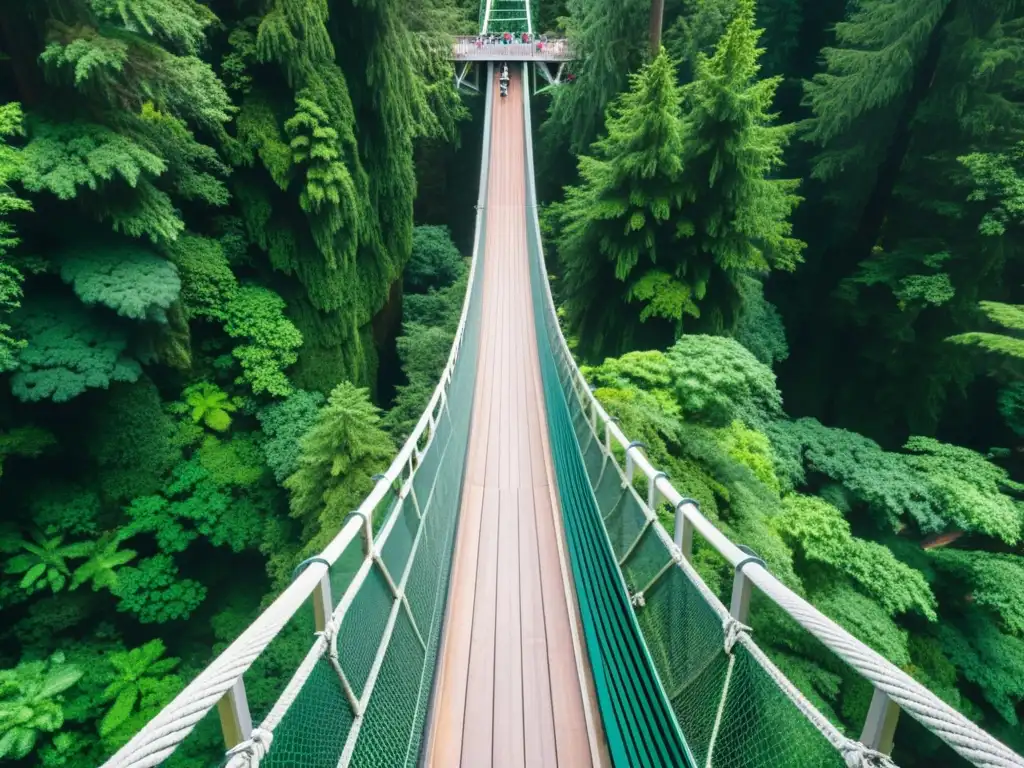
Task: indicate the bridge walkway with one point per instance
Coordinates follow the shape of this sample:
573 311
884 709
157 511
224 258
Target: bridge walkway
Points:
510 691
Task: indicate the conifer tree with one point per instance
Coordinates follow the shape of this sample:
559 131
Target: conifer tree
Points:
625 218
611 44
338 457
737 211
678 209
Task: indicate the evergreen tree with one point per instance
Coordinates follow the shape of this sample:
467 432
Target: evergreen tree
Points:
338 457
680 209
615 226
737 212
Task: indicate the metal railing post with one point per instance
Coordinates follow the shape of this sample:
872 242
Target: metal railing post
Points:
323 602
739 607
630 466
880 724
235 719
683 534
742 587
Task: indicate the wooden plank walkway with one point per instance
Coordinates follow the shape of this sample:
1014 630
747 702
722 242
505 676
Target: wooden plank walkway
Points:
509 693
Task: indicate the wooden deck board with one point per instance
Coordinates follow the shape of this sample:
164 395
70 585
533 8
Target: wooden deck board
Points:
508 692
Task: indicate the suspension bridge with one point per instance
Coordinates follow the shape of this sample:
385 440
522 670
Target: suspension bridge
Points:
506 594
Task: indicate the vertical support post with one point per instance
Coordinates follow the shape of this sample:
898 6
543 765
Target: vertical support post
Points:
683 534
739 607
235 720
629 459
880 724
652 491
323 602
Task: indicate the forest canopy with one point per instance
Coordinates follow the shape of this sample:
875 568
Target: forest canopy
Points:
785 242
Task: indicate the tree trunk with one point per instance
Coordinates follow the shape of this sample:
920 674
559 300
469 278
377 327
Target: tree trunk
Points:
657 16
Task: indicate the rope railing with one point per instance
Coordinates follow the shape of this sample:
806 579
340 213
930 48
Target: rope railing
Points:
221 684
894 690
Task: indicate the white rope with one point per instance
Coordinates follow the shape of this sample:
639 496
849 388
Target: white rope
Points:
856 755
250 752
960 733
732 629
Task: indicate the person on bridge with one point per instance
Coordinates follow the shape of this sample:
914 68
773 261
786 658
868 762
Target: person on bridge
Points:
508 37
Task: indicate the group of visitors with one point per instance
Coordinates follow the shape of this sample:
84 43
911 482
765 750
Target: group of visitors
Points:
506 38
503 80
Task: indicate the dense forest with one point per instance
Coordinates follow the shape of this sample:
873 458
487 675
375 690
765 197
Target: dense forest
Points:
232 257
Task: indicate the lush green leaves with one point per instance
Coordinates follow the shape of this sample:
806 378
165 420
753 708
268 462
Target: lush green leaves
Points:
143 684
132 281
155 593
284 423
30 703
255 315
69 350
339 456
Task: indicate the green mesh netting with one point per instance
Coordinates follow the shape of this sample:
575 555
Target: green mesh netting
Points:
638 720
730 709
506 16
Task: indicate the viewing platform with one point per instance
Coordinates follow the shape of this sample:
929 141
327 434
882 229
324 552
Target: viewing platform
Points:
481 49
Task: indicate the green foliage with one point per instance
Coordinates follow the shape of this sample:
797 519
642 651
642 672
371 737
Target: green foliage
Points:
180 22
31 703
101 567
338 457
679 202
207 282
155 593
819 533
210 405
435 261
284 423
329 192
613 227
305 197
143 683
10 278
883 39
760 328
737 208
130 280
42 562
611 44
69 350
129 441
256 316
967 490
69 159
990 659
999 181
716 380
994 580
429 326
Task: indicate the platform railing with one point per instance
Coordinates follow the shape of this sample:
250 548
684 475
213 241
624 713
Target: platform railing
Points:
479 48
